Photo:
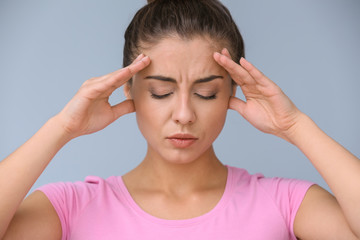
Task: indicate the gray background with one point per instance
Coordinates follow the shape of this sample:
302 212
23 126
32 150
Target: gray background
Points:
49 48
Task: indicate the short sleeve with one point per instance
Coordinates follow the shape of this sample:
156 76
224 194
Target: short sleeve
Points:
68 199
288 195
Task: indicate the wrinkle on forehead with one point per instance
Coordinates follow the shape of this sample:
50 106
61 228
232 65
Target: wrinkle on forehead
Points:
183 58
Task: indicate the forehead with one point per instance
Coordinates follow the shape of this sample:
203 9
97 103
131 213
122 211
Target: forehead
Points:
177 57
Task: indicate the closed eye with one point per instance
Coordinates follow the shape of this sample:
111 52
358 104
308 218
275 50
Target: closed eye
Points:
206 97
156 96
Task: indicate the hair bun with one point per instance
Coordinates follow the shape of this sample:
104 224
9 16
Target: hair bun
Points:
150 1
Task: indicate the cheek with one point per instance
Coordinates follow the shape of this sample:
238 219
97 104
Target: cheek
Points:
214 116
218 115
142 109
146 120
150 116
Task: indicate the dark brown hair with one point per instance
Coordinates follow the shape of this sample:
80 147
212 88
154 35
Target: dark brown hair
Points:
183 18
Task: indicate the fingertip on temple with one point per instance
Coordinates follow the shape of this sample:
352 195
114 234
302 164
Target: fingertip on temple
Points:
138 66
146 60
220 58
242 60
244 63
216 56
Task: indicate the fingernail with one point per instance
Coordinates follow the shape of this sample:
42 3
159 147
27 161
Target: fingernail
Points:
142 59
145 58
140 56
217 54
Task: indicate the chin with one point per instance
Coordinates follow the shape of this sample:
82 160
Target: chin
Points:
182 156
179 158
180 161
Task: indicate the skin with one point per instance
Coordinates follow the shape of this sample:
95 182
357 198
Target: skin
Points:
180 178
321 215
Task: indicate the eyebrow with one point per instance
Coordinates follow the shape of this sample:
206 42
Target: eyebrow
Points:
168 79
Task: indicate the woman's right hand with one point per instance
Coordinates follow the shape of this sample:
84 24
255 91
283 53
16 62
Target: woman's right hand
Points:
89 110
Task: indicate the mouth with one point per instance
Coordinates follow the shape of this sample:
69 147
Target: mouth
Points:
182 140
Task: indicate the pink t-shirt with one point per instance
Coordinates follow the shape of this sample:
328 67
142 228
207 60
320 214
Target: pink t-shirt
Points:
252 207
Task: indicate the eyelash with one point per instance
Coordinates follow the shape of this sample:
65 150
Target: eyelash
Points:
153 95
206 97
168 94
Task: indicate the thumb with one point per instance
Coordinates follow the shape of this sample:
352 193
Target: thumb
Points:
237 104
123 108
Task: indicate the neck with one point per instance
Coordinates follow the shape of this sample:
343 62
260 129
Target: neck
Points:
177 178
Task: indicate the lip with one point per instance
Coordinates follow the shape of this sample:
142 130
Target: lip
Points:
182 140
182 136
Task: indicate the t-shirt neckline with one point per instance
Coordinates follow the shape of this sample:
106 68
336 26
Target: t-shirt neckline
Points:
182 222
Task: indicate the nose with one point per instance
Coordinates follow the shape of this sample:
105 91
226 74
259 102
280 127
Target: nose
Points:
183 112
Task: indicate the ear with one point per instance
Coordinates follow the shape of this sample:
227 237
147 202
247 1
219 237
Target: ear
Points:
127 90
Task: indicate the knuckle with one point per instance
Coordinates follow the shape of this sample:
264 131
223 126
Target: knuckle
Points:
89 81
93 79
130 70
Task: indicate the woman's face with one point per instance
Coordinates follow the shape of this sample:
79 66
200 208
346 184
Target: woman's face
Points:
181 99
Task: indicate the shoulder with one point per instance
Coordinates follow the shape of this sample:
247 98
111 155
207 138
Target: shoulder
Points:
49 212
272 185
71 200
80 190
36 218
320 217
280 190
274 199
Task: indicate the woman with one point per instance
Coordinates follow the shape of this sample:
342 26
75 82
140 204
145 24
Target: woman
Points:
181 82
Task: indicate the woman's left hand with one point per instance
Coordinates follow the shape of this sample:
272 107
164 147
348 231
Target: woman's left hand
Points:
266 107
271 111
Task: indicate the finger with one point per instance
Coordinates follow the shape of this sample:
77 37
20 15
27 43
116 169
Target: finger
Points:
237 73
254 72
123 108
226 52
138 58
107 84
106 76
118 78
237 104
